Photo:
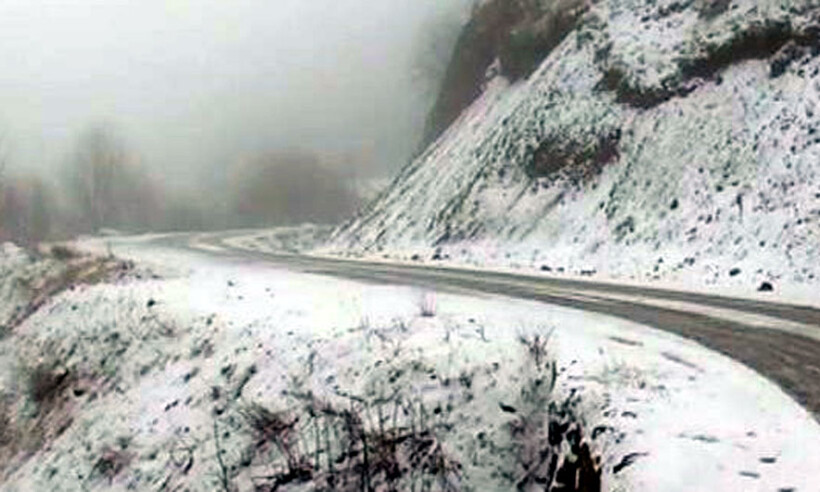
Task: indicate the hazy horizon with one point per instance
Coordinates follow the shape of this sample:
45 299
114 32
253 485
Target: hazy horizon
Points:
193 86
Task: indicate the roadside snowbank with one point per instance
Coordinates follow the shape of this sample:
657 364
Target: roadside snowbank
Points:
163 362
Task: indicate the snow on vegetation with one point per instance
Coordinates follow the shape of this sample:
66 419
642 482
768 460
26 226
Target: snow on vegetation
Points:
219 376
672 141
31 278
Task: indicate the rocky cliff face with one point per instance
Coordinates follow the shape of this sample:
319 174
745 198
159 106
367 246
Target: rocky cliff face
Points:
656 138
517 33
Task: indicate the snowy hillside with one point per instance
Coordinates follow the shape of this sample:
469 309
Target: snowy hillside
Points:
674 140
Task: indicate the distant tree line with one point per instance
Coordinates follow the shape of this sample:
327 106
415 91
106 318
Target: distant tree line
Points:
104 185
288 187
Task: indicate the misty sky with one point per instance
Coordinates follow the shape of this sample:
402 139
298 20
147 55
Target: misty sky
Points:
193 84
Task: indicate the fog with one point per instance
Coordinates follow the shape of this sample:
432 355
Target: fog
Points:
192 86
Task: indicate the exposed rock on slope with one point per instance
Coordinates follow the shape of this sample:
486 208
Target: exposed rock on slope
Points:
519 33
659 137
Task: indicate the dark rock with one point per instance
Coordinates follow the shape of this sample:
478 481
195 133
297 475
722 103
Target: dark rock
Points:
765 287
734 272
507 408
46 385
597 431
627 461
151 303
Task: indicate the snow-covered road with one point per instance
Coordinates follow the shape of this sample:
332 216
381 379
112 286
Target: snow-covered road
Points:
779 340
160 365
677 416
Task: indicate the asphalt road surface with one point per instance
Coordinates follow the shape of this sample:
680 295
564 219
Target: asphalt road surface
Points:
778 340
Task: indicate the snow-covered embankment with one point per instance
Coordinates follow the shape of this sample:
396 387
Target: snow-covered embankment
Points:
155 373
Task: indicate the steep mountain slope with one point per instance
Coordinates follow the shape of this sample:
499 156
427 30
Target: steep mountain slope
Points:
660 139
520 33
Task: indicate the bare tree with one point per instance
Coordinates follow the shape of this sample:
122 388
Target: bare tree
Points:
3 160
3 208
108 185
26 204
26 209
98 155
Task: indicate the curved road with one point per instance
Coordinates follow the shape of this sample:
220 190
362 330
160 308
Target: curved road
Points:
780 341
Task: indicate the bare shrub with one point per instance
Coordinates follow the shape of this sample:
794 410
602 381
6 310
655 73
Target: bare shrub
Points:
341 449
111 463
62 252
536 346
272 427
551 451
427 305
393 438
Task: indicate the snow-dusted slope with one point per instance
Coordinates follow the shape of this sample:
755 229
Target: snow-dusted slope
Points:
661 139
18 271
153 378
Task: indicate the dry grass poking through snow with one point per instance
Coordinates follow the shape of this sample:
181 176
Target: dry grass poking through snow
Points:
552 452
350 451
109 388
38 407
74 268
40 416
391 440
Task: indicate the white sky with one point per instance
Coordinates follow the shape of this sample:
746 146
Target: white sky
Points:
193 84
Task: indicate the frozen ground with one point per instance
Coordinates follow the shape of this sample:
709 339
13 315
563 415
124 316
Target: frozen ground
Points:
159 360
295 239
